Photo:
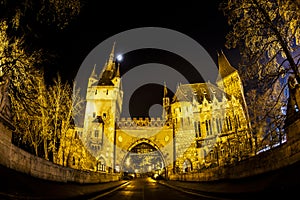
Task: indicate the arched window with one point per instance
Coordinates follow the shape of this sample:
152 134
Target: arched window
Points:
187 166
227 124
206 125
73 163
210 127
211 154
101 164
196 131
217 124
199 129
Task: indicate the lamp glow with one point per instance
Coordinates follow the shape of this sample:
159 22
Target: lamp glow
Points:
119 57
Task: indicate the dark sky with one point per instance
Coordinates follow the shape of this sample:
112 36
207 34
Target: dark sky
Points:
97 22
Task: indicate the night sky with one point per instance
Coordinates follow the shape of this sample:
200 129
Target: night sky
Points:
97 22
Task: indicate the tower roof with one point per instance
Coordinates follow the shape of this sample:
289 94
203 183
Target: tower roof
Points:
225 67
165 90
93 74
109 71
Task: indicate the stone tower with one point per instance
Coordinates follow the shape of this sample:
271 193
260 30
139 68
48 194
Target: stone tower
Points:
229 79
103 108
230 82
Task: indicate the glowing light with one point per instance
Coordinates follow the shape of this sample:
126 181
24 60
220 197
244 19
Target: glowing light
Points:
120 57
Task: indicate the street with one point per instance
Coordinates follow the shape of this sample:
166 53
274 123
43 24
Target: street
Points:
281 184
146 189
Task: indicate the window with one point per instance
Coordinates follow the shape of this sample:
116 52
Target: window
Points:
196 131
106 92
210 128
73 163
101 165
227 123
104 115
211 154
94 114
96 133
199 129
217 124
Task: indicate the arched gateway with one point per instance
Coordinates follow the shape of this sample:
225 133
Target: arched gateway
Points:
143 157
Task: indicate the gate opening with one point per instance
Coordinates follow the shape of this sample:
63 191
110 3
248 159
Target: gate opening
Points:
143 160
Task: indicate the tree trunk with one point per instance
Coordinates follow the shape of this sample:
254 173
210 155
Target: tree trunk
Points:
46 149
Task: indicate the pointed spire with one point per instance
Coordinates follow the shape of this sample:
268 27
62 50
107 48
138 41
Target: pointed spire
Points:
225 67
165 90
93 74
118 71
112 53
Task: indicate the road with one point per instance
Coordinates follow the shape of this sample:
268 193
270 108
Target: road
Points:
145 189
279 184
149 189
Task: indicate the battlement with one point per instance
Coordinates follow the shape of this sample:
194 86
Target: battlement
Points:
142 122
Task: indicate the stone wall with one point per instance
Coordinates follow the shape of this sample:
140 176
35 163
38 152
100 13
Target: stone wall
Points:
22 161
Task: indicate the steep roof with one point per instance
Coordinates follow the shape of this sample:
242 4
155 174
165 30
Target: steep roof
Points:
197 91
109 71
225 67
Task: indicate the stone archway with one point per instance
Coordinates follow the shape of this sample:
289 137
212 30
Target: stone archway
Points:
143 157
101 164
187 165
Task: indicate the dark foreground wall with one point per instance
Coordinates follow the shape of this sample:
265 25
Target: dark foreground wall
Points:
22 161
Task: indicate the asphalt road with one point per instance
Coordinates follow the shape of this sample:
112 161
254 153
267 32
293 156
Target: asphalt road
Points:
146 189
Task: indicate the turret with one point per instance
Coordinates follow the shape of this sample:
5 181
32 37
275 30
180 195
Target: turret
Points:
103 101
166 104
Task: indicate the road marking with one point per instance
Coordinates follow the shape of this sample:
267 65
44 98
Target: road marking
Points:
192 193
111 191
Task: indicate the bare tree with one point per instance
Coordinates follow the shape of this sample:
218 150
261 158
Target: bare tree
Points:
268 36
21 78
267 116
64 105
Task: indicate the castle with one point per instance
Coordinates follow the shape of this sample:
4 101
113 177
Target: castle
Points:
202 126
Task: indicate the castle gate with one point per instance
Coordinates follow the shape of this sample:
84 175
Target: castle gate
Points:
143 145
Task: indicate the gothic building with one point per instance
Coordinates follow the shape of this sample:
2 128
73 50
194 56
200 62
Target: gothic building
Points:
213 116
203 125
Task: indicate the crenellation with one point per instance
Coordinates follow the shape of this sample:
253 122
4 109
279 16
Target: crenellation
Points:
143 122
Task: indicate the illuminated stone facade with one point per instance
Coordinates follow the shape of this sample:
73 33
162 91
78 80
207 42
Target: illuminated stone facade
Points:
203 125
